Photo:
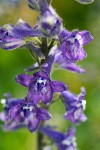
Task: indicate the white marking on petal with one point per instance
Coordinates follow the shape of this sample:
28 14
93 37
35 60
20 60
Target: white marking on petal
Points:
40 80
28 108
84 104
79 39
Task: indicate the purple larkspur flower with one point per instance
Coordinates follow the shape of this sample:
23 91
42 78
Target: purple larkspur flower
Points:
12 37
72 47
62 141
41 87
64 34
9 42
28 114
61 61
21 113
49 22
75 106
8 103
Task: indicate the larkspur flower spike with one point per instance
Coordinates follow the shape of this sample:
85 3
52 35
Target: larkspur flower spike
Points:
51 45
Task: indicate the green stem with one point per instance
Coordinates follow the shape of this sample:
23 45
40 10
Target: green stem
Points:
40 141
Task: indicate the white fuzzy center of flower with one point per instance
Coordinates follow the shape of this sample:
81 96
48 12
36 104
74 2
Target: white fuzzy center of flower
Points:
28 108
41 85
77 37
40 80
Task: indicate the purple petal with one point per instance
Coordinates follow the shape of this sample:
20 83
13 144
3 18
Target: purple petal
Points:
48 64
14 101
69 98
83 118
3 116
3 34
71 131
43 114
16 113
63 63
20 117
69 116
47 97
81 54
13 126
33 124
43 5
74 115
77 113
64 34
34 96
72 67
24 79
23 33
58 86
85 37
53 134
41 74
13 112
10 43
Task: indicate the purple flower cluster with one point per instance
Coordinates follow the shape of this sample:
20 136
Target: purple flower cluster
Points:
50 44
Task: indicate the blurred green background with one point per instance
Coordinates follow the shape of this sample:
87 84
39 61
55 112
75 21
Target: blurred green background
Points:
12 63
